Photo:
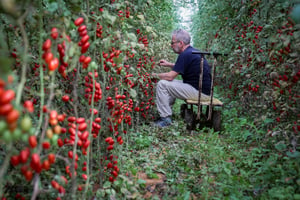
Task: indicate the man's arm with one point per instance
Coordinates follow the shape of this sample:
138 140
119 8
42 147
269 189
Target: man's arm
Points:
169 76
166 63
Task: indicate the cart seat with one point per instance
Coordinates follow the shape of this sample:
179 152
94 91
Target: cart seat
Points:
205 101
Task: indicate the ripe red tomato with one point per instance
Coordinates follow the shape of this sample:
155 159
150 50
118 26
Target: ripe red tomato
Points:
7 96
111 179
81 28
70 154
86 144
84 39
54 33
84 135
82 126
5 109
46 145
53 64
24 155
51 158
80 120
85 47
71 119
46 165
35 160
84 176
83 33
60 142
78 21
114 173
28 105
87 60
14 160
32 141
65 98
47 45
110 147
55 184
53 114
12 116
28 175
48 56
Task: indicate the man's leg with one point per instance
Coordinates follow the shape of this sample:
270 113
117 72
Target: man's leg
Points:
168 91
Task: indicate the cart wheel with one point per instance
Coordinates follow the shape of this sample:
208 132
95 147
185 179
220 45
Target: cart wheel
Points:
216 120
189 119
183 108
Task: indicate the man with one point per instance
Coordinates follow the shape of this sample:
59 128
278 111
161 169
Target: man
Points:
188 66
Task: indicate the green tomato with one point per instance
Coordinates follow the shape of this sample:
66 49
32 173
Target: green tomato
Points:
24 137
17 134
3 126
31 131
7 136
54 139
26 124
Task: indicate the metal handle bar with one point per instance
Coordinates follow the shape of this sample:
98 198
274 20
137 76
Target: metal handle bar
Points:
210 53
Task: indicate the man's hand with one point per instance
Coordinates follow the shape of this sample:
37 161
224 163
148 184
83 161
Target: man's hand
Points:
165 63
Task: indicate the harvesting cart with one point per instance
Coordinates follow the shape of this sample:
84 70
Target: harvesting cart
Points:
212 115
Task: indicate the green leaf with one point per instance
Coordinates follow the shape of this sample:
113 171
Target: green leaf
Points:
133 93
187 195
141 182
52 7
109 18
280 146
295 154
132 37
107 184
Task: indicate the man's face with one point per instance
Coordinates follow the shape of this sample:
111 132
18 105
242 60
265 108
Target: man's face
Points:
176 45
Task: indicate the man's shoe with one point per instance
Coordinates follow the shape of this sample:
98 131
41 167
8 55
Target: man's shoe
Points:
163 122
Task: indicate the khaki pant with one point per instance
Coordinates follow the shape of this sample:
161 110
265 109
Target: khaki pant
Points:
168 91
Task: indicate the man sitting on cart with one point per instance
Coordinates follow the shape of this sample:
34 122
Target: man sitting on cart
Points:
168 88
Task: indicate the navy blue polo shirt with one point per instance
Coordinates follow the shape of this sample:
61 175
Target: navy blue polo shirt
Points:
188 66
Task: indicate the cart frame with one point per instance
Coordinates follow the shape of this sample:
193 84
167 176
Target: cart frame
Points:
212 117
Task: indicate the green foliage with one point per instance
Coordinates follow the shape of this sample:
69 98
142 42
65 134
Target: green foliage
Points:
259 79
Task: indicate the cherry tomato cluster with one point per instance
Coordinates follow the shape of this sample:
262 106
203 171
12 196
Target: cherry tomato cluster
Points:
60 188
109 60
30 161
127 13
82 30
7 110
55 129
112 165
48 56
96 126
99 30
144 40
90 83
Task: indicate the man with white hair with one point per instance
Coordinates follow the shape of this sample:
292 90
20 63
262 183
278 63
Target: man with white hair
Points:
168 89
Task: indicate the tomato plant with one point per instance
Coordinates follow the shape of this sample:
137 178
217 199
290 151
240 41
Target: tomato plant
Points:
71 79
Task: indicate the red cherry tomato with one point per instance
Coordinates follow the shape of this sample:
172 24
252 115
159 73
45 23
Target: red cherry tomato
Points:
47 45
12 116
48 56
35 159
53 64
32 141
78 21
5 109
65 98
14 160
7 96
51 158
54 33
81 28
